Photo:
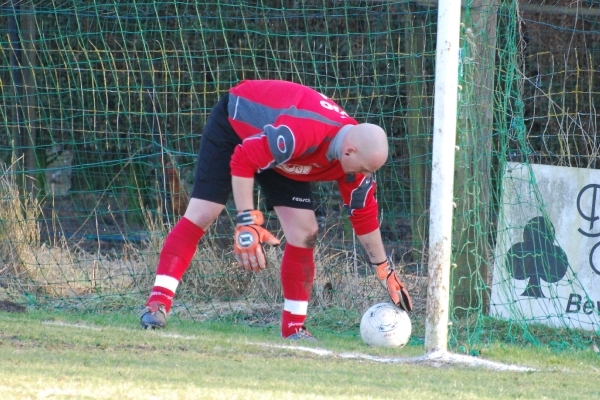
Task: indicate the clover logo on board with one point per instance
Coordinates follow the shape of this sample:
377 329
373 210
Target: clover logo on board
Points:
537 257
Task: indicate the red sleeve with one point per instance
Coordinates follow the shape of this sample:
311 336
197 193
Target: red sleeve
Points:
251 156
360 202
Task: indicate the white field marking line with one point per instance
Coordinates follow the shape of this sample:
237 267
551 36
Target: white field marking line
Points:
438 358
65 324
97 328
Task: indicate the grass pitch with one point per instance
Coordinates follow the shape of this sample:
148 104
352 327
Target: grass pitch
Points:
82 356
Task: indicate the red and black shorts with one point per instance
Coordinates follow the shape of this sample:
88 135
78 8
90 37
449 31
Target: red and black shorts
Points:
212 180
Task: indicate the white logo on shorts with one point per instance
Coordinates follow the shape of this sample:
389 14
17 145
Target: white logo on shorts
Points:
301 200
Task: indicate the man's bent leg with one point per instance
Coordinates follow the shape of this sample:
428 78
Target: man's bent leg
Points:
297 268
297 276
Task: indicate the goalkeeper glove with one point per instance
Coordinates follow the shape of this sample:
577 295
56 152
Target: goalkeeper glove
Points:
249 238
390 280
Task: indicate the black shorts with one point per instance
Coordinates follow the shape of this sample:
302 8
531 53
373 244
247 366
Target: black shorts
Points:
212 180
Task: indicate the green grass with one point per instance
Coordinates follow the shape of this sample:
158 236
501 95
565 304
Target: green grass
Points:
83 356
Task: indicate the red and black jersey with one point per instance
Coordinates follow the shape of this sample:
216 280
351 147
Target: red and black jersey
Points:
290 127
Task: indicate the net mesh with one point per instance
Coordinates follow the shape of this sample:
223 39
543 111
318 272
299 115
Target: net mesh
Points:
103 105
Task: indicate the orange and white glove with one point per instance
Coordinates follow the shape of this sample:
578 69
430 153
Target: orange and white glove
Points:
390 280
249 239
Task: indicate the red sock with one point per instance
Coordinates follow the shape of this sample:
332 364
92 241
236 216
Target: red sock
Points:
174 260
297 276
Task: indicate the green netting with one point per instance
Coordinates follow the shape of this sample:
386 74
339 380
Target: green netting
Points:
103 104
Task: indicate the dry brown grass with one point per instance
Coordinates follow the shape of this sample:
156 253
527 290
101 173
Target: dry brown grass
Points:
214 285
56 268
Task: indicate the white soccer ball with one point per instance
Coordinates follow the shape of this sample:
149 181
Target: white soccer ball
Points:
385 325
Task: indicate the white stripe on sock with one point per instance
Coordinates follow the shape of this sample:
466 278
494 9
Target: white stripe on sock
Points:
167 282
295 306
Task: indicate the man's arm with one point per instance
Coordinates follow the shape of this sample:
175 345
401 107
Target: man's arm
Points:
243 193
384 270
373 245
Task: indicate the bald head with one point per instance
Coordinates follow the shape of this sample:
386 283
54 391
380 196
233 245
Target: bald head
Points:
367 144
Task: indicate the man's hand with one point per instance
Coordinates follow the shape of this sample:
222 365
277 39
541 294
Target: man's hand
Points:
390 280
249 238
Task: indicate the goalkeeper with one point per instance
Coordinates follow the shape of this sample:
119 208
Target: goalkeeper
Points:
284 136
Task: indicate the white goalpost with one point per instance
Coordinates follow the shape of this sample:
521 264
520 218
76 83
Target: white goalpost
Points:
442 176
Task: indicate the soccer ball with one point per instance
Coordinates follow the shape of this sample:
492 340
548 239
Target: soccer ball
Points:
385 325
